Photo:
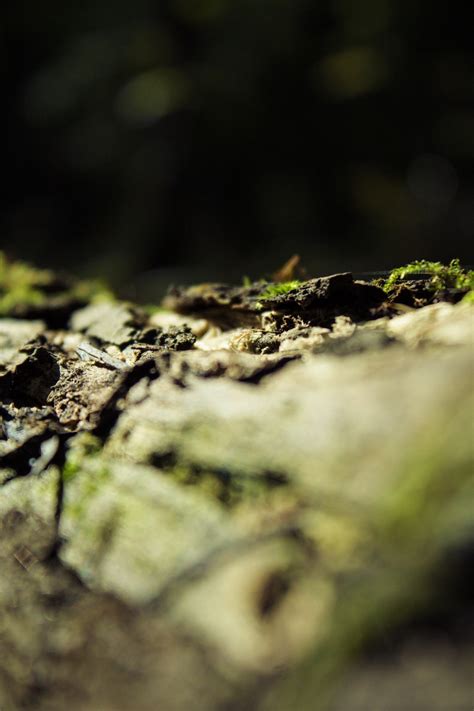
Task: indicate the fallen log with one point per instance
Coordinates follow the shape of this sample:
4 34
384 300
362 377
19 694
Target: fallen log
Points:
234 504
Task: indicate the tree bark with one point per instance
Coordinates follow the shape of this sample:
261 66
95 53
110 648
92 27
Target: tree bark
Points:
187 524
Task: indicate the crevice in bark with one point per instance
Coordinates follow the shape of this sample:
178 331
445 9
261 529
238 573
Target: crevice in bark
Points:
112 410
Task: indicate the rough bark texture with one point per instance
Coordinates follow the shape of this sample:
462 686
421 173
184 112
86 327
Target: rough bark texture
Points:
267 517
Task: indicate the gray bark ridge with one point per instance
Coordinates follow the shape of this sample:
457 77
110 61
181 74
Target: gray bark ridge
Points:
194 517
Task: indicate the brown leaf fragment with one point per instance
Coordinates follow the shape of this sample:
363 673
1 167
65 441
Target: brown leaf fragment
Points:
289 270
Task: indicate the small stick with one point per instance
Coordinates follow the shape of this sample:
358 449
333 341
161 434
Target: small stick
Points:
86 351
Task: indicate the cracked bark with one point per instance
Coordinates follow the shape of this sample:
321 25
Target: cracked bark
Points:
197 519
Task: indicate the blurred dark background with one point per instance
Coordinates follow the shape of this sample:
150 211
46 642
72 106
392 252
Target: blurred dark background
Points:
186 140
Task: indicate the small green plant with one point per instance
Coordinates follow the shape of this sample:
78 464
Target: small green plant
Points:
442 276
274 290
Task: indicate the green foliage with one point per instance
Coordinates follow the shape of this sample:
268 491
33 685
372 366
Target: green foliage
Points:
442 276
274 290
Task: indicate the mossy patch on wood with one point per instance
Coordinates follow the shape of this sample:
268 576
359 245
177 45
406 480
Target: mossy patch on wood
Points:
439 276
278 481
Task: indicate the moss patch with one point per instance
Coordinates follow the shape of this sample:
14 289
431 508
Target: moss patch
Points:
22 285
274 290
440 276
81 447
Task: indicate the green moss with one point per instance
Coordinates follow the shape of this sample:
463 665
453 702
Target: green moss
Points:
228 487
91 291
81 447
274 290
20 283
150 309
432 480
23 285
442 276
409 532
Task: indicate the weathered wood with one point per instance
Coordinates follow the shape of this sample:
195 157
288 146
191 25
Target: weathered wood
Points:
229 526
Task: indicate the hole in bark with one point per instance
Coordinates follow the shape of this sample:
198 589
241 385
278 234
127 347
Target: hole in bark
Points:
13 519
33 380
273 591
163 460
